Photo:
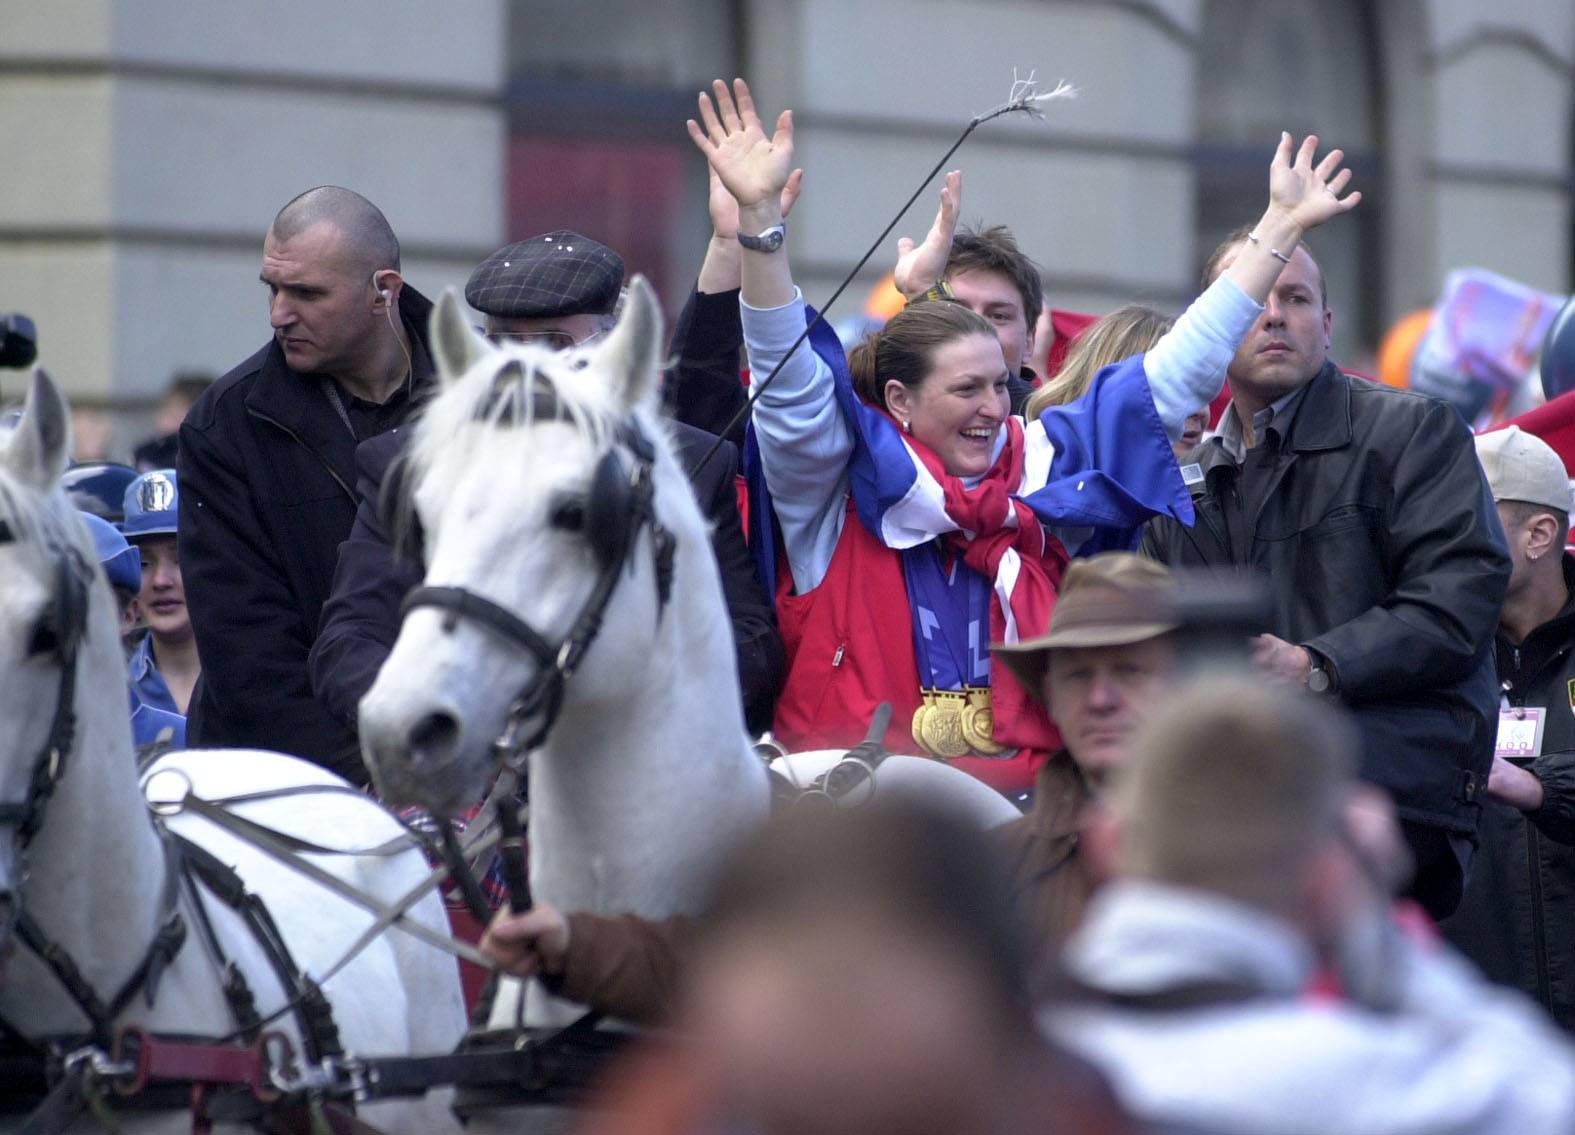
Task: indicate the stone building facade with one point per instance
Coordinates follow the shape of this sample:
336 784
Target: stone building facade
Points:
150 141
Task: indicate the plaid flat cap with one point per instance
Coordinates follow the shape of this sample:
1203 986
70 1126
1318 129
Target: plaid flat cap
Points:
554 274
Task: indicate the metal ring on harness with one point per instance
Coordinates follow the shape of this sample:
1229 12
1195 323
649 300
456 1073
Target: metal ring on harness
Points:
166 806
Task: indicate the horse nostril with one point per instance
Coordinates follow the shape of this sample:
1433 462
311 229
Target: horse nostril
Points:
434 737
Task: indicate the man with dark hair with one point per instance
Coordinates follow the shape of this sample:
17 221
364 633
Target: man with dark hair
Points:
558 289
267 471
1362 509
985 271
1515 919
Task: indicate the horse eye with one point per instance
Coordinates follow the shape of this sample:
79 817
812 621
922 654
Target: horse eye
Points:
44 640
569 514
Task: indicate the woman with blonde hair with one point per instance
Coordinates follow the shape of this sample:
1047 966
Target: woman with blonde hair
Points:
1131 329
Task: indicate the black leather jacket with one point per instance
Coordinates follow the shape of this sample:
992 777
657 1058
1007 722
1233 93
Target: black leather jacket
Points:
1385 556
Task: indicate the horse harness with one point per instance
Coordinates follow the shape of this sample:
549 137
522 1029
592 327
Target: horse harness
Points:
58 1069
619 503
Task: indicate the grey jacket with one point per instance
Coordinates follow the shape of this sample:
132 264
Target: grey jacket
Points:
1198 1013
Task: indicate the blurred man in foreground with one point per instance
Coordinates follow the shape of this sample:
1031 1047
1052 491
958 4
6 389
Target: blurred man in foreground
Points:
862 973
1245 860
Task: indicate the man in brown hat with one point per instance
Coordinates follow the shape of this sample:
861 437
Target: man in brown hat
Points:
1108 657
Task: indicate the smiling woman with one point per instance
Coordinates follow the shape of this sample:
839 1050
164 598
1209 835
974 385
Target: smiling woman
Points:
937 369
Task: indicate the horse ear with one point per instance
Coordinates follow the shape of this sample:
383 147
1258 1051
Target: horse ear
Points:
455 345
633 350
41 443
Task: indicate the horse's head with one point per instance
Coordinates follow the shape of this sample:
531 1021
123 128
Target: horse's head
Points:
548 508
45 562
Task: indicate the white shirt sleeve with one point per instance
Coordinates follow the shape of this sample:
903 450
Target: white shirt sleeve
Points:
804 442
1186 368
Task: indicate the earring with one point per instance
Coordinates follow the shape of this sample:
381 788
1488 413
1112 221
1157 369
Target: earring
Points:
907 426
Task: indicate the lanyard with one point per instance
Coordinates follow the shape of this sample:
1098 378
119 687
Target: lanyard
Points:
950 604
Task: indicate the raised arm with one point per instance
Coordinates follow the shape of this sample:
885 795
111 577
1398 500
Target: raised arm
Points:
1187 366
703 385
804 442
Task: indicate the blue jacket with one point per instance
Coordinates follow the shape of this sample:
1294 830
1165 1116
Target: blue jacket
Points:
148 721
146 681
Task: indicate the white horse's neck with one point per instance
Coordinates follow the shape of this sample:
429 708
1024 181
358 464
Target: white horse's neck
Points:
96 827
630 803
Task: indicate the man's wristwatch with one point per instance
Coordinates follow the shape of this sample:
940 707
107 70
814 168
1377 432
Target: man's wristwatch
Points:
1320 679
768 241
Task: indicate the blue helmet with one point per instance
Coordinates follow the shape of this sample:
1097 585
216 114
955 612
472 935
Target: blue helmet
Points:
122 563
151 504
99 487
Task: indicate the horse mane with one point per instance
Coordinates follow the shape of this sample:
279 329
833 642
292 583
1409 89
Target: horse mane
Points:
527 383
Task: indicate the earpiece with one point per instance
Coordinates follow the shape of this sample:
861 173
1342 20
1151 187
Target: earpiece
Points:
387 296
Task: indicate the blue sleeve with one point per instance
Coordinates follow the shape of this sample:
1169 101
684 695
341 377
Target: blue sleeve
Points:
1112 467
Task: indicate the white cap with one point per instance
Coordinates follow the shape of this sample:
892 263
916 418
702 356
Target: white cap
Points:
1523 467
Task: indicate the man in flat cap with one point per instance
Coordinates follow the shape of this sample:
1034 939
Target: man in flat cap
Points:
267 471
1517 918
559 289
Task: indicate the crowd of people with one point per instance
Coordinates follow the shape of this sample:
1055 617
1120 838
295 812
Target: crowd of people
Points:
1222 907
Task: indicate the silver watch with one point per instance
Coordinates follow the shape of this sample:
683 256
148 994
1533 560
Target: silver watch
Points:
768 241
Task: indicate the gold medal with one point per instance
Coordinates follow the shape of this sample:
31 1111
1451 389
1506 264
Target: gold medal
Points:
978 723
938 723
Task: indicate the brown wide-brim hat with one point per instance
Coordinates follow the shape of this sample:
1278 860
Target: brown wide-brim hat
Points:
1114 599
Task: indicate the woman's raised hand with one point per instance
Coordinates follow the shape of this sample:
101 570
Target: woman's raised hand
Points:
755 169
724 210
1309 195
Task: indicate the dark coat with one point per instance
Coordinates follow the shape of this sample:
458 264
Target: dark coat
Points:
267 476
1517 919
1384 554
361 619
705 387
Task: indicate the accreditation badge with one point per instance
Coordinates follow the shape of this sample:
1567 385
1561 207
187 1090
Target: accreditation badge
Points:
1520 732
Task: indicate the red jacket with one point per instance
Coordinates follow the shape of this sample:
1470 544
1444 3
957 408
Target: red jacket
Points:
849 645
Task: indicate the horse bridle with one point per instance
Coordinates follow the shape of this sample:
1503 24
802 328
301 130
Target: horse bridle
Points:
59 631
619 505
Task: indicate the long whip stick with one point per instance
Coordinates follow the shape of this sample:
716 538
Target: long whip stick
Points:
1023 99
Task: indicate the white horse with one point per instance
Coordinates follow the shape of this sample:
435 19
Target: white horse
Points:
646 774
92 875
